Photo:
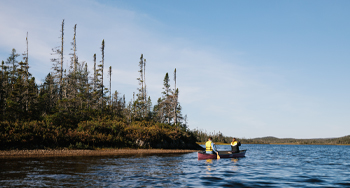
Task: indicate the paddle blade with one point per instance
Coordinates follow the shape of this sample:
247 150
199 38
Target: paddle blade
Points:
217 156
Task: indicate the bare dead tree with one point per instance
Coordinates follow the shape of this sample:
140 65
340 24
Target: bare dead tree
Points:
61 60
57 75
95 74
26 74
145 90
74 43
110 84
175 99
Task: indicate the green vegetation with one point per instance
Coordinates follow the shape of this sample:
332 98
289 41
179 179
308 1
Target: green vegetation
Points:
93 134
72 109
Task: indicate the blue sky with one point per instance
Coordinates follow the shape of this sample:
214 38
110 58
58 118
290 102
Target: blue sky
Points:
245 68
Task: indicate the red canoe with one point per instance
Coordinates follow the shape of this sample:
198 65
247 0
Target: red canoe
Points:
222 154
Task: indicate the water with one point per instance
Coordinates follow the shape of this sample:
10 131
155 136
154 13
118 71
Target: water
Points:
263 166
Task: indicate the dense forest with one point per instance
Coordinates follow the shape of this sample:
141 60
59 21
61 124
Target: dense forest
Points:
73 108
202 136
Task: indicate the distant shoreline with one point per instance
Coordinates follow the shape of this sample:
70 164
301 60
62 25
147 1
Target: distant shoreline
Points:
99 152
309 144
220 143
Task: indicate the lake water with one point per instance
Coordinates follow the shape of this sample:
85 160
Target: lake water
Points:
263 166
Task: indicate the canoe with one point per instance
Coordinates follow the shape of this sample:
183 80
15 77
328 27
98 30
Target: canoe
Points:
222 154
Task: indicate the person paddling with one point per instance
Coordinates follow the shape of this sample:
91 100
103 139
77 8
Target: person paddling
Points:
210 147
235 145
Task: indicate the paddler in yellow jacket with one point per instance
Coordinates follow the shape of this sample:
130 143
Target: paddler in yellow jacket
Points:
210 147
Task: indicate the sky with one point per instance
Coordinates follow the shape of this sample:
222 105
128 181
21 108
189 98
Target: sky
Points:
245 68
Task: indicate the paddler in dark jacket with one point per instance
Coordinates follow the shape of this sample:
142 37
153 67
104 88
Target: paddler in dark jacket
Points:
235 146
210 147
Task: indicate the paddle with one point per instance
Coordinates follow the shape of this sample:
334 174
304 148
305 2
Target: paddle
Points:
217 155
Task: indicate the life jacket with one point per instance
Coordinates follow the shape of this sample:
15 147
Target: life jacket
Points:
236 142
208 146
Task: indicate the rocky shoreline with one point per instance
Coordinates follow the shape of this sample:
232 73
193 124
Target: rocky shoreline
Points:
98 152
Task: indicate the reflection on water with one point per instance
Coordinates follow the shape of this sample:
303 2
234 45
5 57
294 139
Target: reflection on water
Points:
209 167
263 166
234 167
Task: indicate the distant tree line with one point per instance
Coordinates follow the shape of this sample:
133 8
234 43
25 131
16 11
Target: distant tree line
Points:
202 136
72 95
320 141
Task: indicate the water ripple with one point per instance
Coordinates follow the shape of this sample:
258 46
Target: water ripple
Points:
263 166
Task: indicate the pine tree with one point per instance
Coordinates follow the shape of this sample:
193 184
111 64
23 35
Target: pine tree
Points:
13 64
158 111
144 82
118 105
95 73
141 101
96 85
58 63
163 109
149 105
84 86
74 48
167 99
101 67
46 95
25 58
73 72
110 98
33 112
26 72
61 59
175 99
3 89
14 101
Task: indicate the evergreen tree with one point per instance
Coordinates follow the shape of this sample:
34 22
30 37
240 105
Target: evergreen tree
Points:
33 112
144 81
74 48
140 103
4 85
46 95
167 99
96 85
25 73
175 99
110 85
95 73
58 63
101 68
61 60
25 63
13 64
73 76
